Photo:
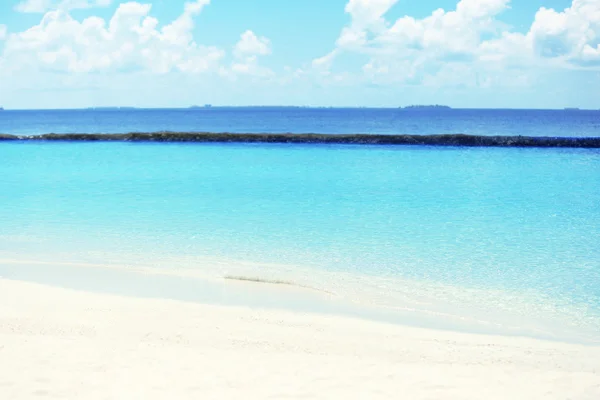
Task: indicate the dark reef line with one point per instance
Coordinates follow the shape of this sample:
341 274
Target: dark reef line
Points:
426 140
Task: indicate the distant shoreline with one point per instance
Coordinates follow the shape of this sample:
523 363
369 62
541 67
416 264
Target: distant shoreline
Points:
209 107
418 107
461 140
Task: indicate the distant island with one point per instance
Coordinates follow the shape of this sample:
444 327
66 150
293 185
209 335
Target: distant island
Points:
195 107
110 108
426 107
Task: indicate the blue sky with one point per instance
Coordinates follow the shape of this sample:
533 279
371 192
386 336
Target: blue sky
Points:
378 53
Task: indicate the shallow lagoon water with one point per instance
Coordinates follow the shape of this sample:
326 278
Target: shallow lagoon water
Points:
499 237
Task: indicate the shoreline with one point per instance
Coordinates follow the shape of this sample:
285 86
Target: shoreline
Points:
420 305
75 344
461 140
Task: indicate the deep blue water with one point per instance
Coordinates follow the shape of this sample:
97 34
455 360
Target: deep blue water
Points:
306 120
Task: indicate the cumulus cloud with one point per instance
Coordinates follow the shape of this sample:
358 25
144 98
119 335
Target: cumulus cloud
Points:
465 46
129 41
572 35
457 31
567 39
41 6
247 52
368 13
251 45
510 49
452 33
366 17
413 50
409 49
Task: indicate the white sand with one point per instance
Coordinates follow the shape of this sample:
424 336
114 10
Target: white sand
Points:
63 344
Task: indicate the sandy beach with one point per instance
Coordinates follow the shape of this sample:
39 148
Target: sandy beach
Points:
65 344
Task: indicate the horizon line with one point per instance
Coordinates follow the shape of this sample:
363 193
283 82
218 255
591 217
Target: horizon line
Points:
415 107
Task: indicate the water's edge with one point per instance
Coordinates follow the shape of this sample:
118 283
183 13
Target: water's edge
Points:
309 138
155 284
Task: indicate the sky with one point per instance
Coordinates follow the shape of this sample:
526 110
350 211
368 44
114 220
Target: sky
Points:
349 53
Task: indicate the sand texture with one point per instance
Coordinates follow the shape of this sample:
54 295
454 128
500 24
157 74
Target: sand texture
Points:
63 344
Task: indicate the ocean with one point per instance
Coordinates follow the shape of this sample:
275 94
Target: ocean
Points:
501 240
569 123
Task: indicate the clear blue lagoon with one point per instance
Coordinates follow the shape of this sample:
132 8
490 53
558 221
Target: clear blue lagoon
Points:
486 239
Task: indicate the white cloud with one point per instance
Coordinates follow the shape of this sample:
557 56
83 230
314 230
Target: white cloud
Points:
33 6
453 30
179 32
572 35
566 39
247 52
463 47
368 13
366 16
251 45
444 33
130 40
41 6
510 49
468 38
324 63
408 50
475 9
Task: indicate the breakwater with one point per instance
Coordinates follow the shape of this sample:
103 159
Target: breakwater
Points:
358 139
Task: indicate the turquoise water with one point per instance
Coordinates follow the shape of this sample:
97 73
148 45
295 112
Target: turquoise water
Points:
501 236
